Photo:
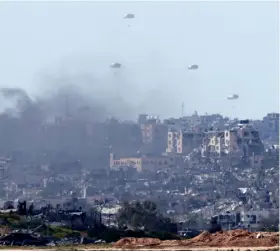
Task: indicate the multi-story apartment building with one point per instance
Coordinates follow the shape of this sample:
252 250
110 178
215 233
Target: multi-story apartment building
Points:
154 134
172 141
252 219
240 142
183 142
249 219
187 141
213 144
272 119
148 128
143 162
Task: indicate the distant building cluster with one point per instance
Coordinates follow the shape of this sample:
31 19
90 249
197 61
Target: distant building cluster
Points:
213 136
200 166
143 163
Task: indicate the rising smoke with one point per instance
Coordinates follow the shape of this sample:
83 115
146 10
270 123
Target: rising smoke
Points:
65 98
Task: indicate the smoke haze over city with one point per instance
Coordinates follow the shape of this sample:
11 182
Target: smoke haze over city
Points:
49 46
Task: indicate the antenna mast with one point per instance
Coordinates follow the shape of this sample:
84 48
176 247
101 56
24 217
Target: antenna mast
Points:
183 108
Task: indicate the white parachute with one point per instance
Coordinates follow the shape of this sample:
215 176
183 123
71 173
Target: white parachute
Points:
193 67
116 65
129 16
233 97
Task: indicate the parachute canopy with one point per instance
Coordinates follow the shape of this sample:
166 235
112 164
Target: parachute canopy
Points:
129 16
116 65
193 67
232 97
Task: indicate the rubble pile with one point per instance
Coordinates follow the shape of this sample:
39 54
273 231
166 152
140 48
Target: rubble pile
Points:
233 238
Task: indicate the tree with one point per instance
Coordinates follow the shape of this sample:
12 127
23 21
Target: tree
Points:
99 205
30 209
144 216
21 208
214 226
91 218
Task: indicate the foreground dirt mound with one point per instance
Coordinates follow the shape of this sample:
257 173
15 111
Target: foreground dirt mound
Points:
136 242
171 243
233 238
204 236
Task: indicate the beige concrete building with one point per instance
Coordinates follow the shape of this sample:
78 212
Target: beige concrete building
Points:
172 141
143 163
154 134
183 142
241 142
187 141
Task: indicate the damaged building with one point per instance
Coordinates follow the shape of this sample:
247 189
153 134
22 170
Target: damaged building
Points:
242 142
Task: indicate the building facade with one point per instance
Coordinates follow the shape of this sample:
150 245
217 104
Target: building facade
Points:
241 142
183 142
154 134
143 163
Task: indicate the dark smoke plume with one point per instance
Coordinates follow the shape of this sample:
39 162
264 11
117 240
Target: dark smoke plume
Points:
65 100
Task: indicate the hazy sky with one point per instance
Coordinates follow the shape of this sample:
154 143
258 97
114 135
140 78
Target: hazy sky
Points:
235 44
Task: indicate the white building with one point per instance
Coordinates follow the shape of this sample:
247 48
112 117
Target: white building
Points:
253 219
248 219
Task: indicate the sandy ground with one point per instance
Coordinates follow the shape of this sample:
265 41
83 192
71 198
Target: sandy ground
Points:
233 240
146 249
